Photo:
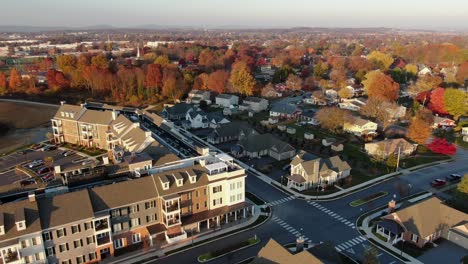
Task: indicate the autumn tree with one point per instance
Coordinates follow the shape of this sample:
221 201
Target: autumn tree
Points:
332 118
380 85
217 81
377 108
424 83
282 74
294 82
162 60
437 103
153 78
380 60
15 80
100 61
241 79
345 93
462 73
392 161
456 102
412 69
320 70
420 129
207 58
3 84
442 146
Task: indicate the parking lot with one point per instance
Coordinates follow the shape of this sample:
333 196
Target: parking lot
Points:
9 175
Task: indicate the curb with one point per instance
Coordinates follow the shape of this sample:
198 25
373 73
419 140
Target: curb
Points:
220 256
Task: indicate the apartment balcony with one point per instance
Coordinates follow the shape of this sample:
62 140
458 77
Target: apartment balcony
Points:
171 222
11 257
101 225
103 240
173 238
172 208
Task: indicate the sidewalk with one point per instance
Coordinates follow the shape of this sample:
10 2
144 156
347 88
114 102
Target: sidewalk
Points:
189 243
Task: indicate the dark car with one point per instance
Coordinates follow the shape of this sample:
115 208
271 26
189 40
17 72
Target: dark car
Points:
27 182
52 148
438 183
454 178
44 170
48 177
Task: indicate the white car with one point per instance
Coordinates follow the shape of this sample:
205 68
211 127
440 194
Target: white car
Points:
35 163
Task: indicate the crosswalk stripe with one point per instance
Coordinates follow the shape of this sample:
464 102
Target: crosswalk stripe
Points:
337 249
351 224
363 238
344 246
349 244
333 214
343 220
356 241
340 218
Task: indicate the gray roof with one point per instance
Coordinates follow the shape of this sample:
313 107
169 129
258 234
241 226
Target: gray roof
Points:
225 96
96 117
310 162
233 129
74 112
65 208
253 99
29 212
284 109
259 142
178 109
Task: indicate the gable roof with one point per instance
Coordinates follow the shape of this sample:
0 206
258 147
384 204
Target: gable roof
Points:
273 252
259 142
8 214
429 216
310 162
284 109
96 117
391 145
226 96
178 109
65 208
233 129
69 112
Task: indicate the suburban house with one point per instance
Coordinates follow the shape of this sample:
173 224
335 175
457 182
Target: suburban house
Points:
176 112
355 90
424 70
359 126
227 100
254 104
388 147
196 96
286 111
464 133
309 117
197 118
229 132
353 104
442 122
271 92
104 129
89 225
424 223
309 171
273 252
394 112
316 99
259 145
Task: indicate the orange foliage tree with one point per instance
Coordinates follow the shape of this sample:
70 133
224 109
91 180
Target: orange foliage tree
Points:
379 85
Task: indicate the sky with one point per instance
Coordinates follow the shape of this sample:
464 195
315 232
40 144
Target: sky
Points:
414 14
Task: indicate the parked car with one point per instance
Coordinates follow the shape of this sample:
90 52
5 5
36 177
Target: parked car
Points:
50 148
35 163
27 182
87 162
454 178
48 177
438 183
68 153
45 170
37 146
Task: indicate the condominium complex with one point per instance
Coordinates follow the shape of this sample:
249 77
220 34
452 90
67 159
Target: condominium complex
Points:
105 129
86 226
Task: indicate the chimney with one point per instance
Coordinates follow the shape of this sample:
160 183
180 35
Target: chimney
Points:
202 162
391 206
114 115
32 197
299 244
62 102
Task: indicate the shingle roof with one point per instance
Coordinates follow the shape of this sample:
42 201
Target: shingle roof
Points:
65 208
273 252
390 146
96 117
31 215
284 109
233 129
69 112
179 109
259 142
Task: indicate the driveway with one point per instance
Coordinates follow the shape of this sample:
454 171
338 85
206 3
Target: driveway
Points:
446 252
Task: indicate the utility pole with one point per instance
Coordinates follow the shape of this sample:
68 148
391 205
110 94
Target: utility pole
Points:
398 159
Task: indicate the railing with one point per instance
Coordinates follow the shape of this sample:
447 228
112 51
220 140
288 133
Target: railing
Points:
103 240
171 208
173 238
98 226
11 257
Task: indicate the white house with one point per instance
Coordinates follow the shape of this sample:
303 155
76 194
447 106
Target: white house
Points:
196 118
354 104
196 96
424 70
360 126
254 104
227 100
388 147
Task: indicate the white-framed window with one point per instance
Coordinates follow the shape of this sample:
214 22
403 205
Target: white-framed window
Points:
80 259
75 229
118 243
232 186
136 238
239 185
135 222
117 227
134 208
232 198
217 189
28 259
239 196
38 256
47 236
61 232
92 255
217 201
63 247
50 251
78 243
35 241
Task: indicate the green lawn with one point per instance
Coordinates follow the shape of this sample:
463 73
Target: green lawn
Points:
213 254
367 199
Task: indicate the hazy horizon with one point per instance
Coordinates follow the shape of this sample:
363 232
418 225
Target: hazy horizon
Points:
241 13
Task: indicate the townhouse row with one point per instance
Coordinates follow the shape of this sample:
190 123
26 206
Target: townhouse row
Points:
86 226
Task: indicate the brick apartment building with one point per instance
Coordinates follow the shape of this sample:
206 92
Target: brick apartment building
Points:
85 226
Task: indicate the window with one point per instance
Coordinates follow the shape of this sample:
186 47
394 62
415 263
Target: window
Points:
206 204
135 222
134 208
204 191
35 241
196 193
24 243
28 259
232 186
47 236
92 256
61 232
117 227
88 225
136 238
239 185
78 243
90 240
232 198
75 229
239 196
150 204
198 206
414 238
50 251
118 243
189 195
20 225
63 247
66 261
217 189
217 201
80 259
38 256
151 218
115 213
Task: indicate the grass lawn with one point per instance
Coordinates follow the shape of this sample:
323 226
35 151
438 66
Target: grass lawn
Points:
210 255
419 160
88 151
384 239
459 141
367 199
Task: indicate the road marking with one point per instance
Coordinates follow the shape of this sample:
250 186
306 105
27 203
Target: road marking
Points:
340 247
350 250
379 254
337 249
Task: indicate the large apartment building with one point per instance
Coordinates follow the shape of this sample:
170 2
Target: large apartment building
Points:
105 129
85 226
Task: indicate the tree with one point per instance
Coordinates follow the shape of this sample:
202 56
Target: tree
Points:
392 161
380 85
153 78
282 74
241 79
424 83
412 69
320 70
456 102
378 108
217 81
3 84
370 256
15 80
442 146
345 93
100 61
162 60
294 82
420 129
332 118
437 103
380 60
462 73
462 187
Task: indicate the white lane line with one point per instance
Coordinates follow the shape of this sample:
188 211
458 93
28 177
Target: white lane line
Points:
351 225
348 244
379 254
337 249
352 242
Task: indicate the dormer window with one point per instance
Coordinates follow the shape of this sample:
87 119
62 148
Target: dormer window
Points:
193 178
62 113
21 225
166 185
180 182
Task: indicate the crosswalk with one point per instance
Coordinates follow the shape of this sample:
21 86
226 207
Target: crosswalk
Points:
280 201
290 229
336 216
350 243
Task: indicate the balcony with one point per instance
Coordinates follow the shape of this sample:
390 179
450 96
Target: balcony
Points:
101 225
11 256
103 240
173 238
171 208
